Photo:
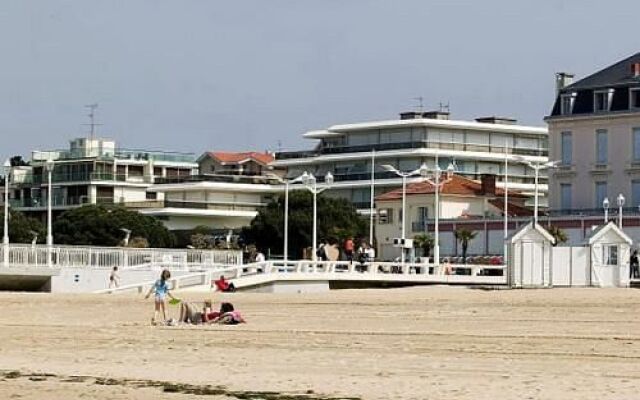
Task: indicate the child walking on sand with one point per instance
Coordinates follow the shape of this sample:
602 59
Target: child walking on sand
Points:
161 289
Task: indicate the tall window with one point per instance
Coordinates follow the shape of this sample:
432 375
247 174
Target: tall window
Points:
566 103
601 193
565 196
602 146
635 193
602 100
634 99
636 144
610 254
423 214
566 146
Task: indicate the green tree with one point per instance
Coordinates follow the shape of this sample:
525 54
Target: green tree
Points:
22 228
101 225
337 219
425 242
464 236
558 234
17 161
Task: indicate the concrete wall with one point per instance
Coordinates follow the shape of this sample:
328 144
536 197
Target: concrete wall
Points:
79 280
292 287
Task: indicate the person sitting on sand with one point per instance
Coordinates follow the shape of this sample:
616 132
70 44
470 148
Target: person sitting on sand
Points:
161 290
223 285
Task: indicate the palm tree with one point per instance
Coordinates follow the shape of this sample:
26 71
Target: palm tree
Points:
425 242
558 234
464 236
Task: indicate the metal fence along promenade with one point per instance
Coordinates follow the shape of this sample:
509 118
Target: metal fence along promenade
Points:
42 256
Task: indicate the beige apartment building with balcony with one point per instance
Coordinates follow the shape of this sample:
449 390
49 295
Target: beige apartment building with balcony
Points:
594 132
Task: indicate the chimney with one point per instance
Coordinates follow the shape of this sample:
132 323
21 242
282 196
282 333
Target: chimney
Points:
497 120
442 115
563 79
635 70
488 182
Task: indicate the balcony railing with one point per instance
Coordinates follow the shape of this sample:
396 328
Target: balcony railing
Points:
122 154
57 177
249 179
421 144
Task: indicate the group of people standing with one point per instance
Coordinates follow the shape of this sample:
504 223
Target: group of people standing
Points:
328 250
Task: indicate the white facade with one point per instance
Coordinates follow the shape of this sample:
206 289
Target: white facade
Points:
475 148
217 205
94 172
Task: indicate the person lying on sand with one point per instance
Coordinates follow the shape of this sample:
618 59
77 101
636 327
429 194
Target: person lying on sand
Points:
227 316
192 314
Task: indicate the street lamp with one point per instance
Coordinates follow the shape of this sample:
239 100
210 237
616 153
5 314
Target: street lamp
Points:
437 184
286 183
422 171
5 236
620 200
49 164
605 205
311 183
536 167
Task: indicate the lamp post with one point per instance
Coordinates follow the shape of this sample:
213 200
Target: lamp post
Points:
5 236
311 183
506 204
49 164
537 167
605 205
620 200
404 175
286 184
438 185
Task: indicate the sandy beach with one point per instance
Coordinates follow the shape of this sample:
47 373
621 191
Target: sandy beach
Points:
414 343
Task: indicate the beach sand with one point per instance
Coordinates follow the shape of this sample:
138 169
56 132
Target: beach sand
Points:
413 343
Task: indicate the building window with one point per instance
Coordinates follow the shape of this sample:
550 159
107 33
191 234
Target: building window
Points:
636 144
566 103
601 146
601 193
635 193
602 100
634 98
610 254
565 196
566 146
385 216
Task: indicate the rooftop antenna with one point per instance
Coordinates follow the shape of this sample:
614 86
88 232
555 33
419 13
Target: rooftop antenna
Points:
420 100
92 114
279 146
444 107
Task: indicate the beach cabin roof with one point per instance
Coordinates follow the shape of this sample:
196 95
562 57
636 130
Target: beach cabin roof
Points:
611 232
531 231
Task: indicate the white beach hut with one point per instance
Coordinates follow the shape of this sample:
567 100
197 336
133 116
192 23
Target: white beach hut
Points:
609 251
530 257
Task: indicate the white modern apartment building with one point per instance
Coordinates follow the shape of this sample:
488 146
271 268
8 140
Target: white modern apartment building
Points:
93 171
474 147
594 130
226 194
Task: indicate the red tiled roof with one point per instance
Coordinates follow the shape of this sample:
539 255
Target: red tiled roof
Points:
226 157
514 210
456 186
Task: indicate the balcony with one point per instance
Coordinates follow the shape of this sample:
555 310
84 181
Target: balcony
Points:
40 203
84 177
421 144
249 179
121 154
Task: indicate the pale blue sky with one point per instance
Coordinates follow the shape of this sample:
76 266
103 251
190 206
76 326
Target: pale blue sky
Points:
230 75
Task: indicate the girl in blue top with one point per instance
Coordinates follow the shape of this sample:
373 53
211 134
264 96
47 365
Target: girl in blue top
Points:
161 289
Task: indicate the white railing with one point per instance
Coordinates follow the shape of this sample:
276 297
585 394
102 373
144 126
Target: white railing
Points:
19 255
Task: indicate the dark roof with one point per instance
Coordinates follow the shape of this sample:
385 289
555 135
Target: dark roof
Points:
614 75
618 76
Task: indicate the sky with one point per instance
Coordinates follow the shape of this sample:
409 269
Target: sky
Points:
193 76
